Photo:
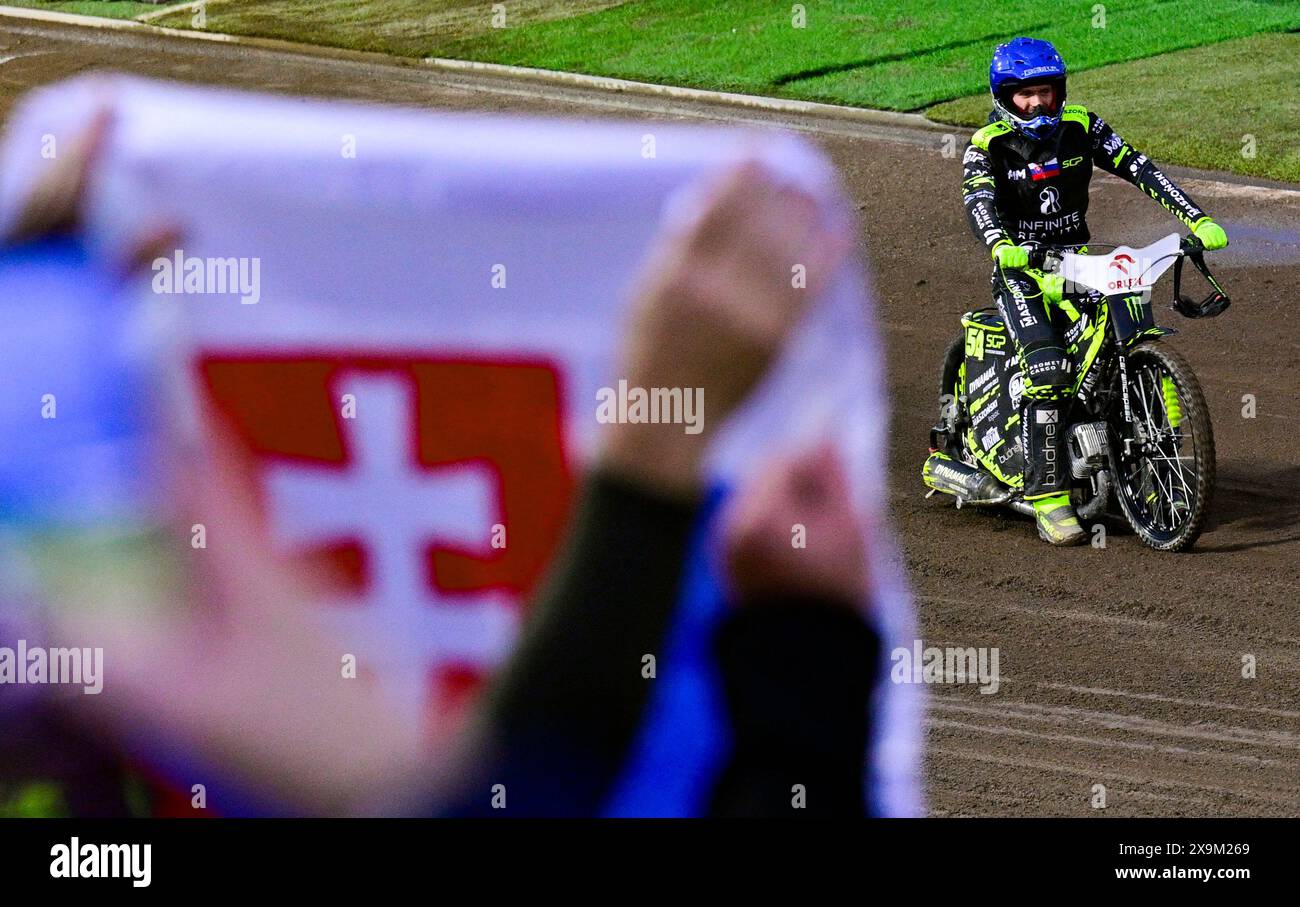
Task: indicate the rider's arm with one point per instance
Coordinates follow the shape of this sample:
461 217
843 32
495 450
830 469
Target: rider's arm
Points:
1112 154
977 195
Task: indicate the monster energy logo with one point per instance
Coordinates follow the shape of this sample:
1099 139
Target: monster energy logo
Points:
1134 304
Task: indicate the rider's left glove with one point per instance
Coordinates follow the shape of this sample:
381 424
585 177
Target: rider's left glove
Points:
1210 234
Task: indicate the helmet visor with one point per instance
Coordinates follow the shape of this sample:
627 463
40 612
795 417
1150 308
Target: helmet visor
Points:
1045 104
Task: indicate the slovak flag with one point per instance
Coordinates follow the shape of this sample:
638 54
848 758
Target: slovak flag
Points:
1044 170
417 373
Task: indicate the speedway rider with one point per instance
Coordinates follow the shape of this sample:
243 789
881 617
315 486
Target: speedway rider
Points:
1025 181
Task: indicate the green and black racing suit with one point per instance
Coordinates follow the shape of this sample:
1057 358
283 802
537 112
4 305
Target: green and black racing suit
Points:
1030 191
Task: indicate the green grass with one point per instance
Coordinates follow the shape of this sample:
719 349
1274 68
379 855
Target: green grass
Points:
900 55
113 9
1194 107
1183 79
411 28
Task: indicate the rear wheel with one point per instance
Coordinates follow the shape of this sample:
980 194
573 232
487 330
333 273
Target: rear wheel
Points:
952 413
1164 461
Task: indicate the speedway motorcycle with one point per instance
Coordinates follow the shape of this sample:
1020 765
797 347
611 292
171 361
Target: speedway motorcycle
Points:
1138 430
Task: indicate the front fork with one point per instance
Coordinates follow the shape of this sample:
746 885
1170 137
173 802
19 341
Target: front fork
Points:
1135 430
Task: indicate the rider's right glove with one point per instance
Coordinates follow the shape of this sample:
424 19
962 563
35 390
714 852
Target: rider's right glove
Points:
1210 234
1008 255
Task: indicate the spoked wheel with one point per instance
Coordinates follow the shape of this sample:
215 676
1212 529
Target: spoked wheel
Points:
1164 461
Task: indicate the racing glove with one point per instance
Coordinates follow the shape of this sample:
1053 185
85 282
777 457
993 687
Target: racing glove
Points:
1008 255
1210 234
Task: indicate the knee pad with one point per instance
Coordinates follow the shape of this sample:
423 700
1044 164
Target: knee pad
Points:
1048 373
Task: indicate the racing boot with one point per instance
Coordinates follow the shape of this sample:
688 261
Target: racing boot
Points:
1057 523
1047 477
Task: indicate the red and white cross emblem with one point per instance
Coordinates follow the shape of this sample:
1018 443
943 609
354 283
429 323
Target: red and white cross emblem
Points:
403 495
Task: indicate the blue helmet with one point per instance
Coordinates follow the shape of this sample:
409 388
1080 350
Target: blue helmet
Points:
1021 62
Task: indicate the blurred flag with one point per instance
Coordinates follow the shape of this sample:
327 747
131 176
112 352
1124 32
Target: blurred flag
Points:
406 319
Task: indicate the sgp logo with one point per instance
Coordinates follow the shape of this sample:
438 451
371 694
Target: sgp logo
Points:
1049 198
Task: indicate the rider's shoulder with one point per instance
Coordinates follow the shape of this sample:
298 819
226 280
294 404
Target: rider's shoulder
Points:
1077 113
985 135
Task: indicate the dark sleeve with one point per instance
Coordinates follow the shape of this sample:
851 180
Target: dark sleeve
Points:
798 678
560 717
1112 154
50 767
977 191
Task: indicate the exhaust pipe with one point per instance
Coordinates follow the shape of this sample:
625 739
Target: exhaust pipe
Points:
966 483
1024 508
970 485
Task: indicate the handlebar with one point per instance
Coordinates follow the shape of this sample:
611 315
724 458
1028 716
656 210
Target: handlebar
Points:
1213 304
1042 256
1048 258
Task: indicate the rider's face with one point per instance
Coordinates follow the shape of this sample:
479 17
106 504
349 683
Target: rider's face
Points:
1035 99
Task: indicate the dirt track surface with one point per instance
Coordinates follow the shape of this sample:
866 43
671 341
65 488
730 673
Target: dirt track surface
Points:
1120 666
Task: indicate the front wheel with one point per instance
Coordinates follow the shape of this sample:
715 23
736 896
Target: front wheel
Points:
1164 459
